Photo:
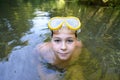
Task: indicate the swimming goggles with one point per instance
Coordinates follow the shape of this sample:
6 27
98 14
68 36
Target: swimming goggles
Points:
72 23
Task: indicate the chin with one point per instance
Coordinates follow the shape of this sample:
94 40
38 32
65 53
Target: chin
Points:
63 58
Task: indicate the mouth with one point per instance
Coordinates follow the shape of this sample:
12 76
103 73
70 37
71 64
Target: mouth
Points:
63 54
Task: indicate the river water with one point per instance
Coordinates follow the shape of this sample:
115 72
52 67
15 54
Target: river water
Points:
23 25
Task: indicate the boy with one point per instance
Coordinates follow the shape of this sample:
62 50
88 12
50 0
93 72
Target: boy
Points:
63 49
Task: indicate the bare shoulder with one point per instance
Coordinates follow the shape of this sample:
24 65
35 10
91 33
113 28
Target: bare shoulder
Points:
79 47
79 44
44 47
46 52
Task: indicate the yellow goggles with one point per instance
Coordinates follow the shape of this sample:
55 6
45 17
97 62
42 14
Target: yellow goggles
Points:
72 23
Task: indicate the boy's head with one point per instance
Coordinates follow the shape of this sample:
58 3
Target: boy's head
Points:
64 36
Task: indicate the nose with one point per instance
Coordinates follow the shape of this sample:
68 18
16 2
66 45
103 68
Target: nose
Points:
63 46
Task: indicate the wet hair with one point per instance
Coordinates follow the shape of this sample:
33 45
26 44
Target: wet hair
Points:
52 33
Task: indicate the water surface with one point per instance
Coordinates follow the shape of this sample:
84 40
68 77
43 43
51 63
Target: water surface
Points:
23 25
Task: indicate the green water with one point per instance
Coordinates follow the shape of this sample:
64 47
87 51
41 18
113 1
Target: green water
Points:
23 25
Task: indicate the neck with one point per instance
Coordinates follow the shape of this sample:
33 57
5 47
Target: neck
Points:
62 63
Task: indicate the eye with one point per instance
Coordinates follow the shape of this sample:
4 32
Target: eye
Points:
57 40
69 41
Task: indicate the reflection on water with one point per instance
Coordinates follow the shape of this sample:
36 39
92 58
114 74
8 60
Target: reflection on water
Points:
23 25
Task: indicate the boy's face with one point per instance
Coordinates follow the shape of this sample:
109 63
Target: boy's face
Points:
63 44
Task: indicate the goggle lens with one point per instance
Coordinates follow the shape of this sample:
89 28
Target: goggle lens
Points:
73 22
55 22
